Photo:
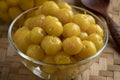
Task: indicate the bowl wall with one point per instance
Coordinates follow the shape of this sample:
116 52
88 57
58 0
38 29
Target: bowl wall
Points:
52 71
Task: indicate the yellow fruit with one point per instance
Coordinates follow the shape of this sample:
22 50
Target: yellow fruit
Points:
49 8
26 4
52 26
35 51
83 21
96 39
14 12
65 15
12 2
62 58
71 29
49 59
51 45
72 45
3 6
34 22
88 49
83 35
64 5
95 28
48 20
37 34
22 38
91 18
49 68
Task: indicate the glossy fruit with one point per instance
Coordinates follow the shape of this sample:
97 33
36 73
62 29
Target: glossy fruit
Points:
65 15
22 38
62 58
35 51
95 28
88 49
34 22
49 68
48 20
91 18
37 34
72 45
51 45
83 35
52 26
83 21
71 29
49 8
64 5
96 39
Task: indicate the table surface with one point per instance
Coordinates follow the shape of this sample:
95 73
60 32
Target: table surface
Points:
106 68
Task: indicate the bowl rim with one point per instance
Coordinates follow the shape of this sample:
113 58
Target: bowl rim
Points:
12 44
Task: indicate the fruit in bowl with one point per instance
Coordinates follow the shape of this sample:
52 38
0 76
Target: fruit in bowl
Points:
58 36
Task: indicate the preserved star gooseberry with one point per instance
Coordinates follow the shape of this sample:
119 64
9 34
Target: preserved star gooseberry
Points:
51 45
95 28
34 21
52 26
96 39
49 8
62 58
83 20
83 35
88 49
21 38
49 69
64 5
71 29
72 45
35 52
37 34
64 15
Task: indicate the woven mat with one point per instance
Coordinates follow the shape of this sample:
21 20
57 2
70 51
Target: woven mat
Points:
107 68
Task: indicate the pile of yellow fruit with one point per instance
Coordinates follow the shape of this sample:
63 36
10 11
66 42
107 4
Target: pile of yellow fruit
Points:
58 35
9 9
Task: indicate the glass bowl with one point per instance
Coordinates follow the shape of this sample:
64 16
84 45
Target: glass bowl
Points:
55 71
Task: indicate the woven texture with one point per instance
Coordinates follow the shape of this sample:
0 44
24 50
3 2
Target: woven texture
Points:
106 68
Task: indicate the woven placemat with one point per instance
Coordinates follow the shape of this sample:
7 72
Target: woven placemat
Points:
106 68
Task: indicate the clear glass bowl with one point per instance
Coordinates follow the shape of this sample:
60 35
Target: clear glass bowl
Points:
56 71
